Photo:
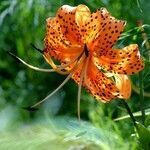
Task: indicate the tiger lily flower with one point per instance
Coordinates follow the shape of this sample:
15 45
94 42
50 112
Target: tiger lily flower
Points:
83 44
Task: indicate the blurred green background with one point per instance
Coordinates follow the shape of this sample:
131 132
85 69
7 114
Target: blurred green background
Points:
23 22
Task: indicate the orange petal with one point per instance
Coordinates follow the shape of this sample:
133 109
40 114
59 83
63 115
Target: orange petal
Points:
108 30
90 30
99 85
124 85
77 73
57 46
82 15
66 18
125 61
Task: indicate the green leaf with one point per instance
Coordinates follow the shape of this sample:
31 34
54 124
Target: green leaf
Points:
20 47
144 136
135 114
147 121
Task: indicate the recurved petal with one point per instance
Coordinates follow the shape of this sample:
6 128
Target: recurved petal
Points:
82 15
124 85
67 20
91 27
121 61
103 88
57 45
107 30
77 73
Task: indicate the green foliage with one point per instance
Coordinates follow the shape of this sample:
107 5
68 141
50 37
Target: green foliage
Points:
61 134
22 23
144 136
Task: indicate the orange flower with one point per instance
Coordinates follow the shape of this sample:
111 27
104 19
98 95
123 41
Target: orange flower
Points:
83 44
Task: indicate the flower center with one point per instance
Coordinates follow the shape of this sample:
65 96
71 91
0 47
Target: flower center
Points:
86 51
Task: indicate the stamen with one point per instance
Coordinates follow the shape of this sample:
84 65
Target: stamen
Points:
51 94
30 66
56 68
72 61
62 84
80 85
85 71
79 95
60 70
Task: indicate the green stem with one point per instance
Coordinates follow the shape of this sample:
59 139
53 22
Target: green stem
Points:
130 113
141 96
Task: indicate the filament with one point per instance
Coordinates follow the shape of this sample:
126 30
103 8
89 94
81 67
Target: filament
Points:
62 84
85 73
30 66
51 94
59 68
72 61
80 86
